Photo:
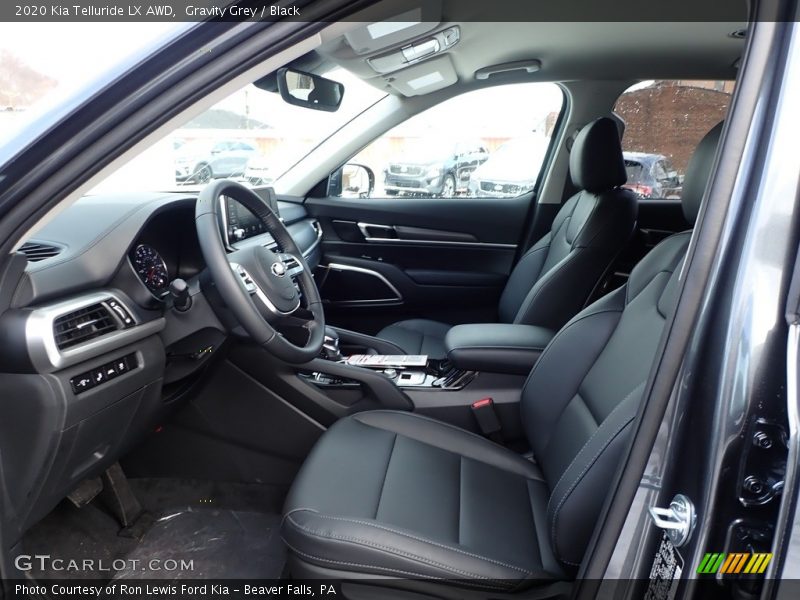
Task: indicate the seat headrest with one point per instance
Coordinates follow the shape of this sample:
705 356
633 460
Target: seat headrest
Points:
595 162
698 172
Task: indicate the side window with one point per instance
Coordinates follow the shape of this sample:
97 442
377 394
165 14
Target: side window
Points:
664 122
485 143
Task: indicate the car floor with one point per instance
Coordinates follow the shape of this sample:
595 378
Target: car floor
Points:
227 530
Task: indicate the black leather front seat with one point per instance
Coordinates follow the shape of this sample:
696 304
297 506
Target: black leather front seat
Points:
553 280
400 495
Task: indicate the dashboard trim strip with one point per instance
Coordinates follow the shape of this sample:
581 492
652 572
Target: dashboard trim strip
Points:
41 344
398 299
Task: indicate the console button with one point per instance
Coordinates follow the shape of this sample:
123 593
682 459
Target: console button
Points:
121 364
111 370
99 376
81 383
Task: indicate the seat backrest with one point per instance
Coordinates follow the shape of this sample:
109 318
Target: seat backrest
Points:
553 280
583 394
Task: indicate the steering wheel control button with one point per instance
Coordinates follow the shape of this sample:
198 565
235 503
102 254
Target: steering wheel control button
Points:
278 269
81 383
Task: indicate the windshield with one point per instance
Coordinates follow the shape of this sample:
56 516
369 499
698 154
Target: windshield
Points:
252 136
43 65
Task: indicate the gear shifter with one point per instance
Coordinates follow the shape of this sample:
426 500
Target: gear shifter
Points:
330 345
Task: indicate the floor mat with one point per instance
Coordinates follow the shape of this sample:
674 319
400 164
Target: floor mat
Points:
71 533
157 495
209 543
226 530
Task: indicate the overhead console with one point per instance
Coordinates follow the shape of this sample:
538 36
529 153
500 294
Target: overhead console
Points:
404 43
390 24
416 51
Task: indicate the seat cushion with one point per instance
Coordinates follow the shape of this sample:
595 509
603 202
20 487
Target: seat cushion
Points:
397 494
417 336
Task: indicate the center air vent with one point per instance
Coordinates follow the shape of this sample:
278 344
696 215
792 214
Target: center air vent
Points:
36 251
83 325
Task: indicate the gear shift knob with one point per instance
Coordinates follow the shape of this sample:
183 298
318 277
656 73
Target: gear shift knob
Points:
330 345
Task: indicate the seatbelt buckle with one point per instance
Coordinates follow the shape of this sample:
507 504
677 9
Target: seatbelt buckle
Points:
486 417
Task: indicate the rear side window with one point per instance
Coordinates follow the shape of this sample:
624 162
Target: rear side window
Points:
664 122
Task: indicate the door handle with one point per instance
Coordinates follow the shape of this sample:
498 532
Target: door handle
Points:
373 231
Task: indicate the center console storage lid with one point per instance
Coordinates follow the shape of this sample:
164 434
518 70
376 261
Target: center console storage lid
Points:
496 347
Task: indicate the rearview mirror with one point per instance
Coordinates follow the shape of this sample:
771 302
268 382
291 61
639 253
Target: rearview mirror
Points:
309 90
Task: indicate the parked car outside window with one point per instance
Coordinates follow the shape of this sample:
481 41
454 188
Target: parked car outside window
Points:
664 122
422 169
438 152
511 170
652 176
201 162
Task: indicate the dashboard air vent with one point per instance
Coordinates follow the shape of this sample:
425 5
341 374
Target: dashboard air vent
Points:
36 251
83 325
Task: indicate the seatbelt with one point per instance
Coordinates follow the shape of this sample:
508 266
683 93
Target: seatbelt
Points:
486 417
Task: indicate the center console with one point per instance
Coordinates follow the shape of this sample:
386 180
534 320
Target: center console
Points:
471 349
482 360
405 370
496 347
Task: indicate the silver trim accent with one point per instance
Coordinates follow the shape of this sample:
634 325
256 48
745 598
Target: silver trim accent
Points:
224 216
292 266
41 343
318 228
363 228
247 280
678 520
441 243
341 267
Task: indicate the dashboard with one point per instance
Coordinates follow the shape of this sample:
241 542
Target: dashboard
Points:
91 341
166 249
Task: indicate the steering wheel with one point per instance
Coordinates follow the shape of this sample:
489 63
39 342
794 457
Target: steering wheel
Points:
262 287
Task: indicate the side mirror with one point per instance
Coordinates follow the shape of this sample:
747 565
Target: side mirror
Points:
352 181
309 90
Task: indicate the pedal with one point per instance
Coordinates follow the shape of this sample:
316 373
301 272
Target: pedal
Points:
87 490
121 501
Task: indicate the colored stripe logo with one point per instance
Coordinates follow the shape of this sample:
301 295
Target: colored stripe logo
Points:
734 563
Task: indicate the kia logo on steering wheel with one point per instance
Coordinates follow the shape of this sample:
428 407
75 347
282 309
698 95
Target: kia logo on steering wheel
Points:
278 269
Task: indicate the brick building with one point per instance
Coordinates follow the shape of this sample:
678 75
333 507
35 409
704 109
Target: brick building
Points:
671 117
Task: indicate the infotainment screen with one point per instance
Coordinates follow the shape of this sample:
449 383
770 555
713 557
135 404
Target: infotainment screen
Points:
242 223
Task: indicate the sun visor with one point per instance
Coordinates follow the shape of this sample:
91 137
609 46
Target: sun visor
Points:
407 23
424 78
